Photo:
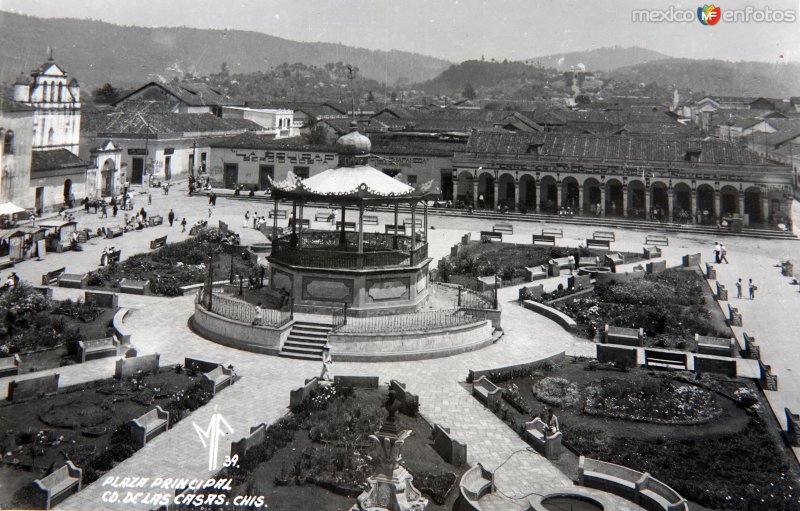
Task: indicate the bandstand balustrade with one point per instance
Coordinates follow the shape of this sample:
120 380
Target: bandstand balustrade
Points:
324 250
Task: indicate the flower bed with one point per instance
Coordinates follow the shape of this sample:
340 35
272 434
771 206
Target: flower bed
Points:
88 423
177 264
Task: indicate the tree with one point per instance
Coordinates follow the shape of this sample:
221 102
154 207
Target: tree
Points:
105 94
469 91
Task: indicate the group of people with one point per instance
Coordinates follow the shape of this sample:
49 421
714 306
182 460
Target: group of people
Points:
11 282
104 257
720 253
751 289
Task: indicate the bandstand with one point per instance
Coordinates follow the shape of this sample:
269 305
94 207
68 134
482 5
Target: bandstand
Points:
371 272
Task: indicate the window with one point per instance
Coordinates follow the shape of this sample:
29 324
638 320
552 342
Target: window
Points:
8 142
301 172
51 136
412 179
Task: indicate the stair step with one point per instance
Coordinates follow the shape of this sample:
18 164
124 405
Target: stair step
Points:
301 356
302 349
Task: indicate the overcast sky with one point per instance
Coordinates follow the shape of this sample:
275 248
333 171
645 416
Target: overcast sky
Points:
456 29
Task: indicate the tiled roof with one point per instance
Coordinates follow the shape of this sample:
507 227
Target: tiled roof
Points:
189 93
636 148
55 159
267 142
145 123
393 144
7 103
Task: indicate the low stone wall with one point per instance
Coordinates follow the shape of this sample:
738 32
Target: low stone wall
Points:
357 382
689 260
416 345
19 390
256 437
706 364
656 267
102 299
566 322
117 322
604 278
130 367
409 403
258 339
204 366
502 372
300 394
451 450
620 355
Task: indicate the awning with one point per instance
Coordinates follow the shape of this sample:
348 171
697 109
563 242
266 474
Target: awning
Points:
7 208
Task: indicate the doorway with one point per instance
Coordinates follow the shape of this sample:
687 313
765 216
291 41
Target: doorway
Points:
230 175
167 167
265 173
39 203
137 171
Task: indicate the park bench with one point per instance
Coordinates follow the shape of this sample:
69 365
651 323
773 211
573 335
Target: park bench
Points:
720 346
149 425
556 232
656 239
134 287
304 223
752 349
9 366
721 294
666 359
280 214
73 280
370 219
476 483
608 477
651 252
417 223
491 235
556 265
115 256
711 272
156 220
97 348
654 494
83 236
323 217
487 392
792 428
56 487
218 379
593 243
158 243
604 235
394 229
541 239
451 450
768 380
348 226
114 232
625 336
535 434
612 260
536 272
787 268
51 278
734 316
504 228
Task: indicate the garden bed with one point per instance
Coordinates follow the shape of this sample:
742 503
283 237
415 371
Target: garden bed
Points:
509 260
88 423
179 264
671 307
319 456
710 438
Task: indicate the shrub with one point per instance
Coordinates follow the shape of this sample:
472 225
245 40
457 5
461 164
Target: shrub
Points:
556 391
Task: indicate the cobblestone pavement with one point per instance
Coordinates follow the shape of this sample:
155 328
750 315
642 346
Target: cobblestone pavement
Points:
160 325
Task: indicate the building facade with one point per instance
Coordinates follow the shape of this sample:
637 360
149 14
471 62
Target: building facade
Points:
16 128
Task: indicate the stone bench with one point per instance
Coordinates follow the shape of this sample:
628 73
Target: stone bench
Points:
625 336
504 228
787 269
158 243
476 483
73 280
715 364
452 451
300 394
56 487
656 239
149 425
9 366
604 235
621 356
394 229
655 267
115 256
216 380
556 265
654 494
721 294
370 219
593 243
102 299
666 359
156 220
51 278
566 322
114 232
792 428
711 272
579 282
409 403
487 392
651 252
612 260
720 346
536 272
417 223
256 437
348 226
357 382
531 293
691 260
32 388
608 477
323 217
281 213
491 235
556 232
541 239
752 349
549 446
768 380
97 348
734 316
134 287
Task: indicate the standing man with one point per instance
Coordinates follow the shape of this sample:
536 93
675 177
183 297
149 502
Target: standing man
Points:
752 287
171 217
723 254
183 224
717 251
739 288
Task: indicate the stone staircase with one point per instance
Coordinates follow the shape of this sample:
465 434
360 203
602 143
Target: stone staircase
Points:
306 340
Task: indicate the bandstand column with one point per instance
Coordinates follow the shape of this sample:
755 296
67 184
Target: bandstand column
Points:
361 228
275 221
624 201
578 204
538 199
413 225
425 221
300 238
394 237
342 235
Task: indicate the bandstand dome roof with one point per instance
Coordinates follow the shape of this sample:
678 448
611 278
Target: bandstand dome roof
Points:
353 143
349 180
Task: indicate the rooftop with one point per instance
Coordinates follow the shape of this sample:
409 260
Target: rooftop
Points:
55 159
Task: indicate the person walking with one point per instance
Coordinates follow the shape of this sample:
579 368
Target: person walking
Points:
104 257
717 251
739 288
104 211
183 225
752 288
255 219
171 217
114 210
209 212
723 254
246 219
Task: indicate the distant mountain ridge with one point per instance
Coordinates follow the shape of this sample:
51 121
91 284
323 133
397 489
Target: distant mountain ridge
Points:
599 59
97 52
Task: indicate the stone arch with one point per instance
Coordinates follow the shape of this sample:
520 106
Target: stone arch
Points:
486 189
591 195
548 194
464 187
527 192
728 200
570 193
659 200
506 190
705 204
613 197
637 204
682 202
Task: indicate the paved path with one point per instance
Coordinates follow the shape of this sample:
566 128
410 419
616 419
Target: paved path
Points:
160 326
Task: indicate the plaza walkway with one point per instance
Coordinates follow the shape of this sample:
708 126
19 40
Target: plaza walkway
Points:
160 325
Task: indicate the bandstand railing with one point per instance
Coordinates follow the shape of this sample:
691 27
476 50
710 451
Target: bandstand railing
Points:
241 311
413 321
324 250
